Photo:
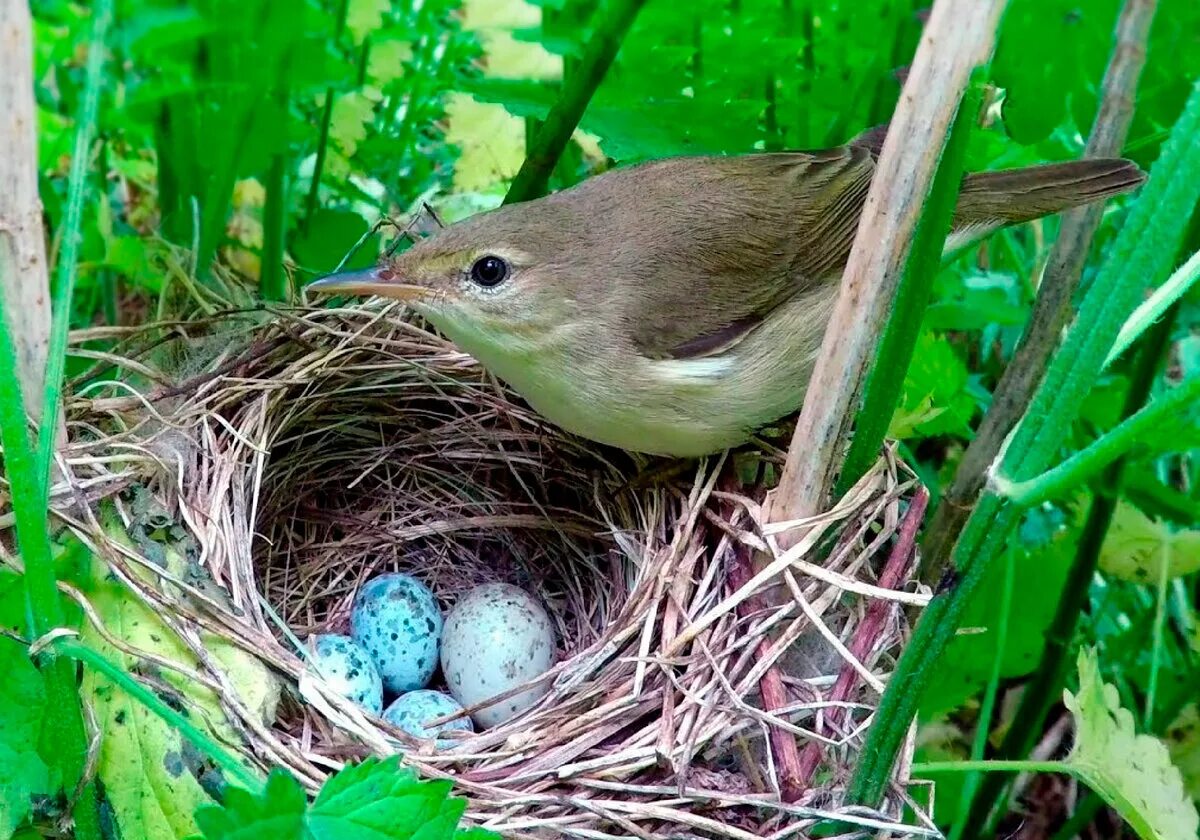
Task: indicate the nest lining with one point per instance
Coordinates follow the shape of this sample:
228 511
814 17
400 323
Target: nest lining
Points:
311 450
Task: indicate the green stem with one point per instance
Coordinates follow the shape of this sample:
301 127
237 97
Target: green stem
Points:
614 21
1142 252
882 391
986 712
1081 466
930 768
1157 304
310 204
68 263
1160 616
220 756
1044 685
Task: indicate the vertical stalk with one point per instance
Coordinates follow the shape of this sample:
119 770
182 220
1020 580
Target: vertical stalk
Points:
310 204
613 22
886 379
1042 689
1051 309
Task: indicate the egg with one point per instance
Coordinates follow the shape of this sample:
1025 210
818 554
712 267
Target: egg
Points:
496 637
412 711
396 619
347 669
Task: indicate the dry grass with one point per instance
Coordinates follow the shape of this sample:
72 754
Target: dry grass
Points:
306 451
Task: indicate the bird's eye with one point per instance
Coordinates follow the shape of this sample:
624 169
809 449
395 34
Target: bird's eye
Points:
489 271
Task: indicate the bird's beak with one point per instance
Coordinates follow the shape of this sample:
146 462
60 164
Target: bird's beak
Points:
378 280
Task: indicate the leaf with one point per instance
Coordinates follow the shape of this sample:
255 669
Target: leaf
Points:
351 115
1183 742
365 16
935 399
1132 772
373 800
329 237
154 778
1136 546
277 813
23 773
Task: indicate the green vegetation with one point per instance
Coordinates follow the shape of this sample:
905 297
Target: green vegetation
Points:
197 152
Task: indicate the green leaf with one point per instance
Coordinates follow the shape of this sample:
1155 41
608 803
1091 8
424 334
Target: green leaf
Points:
935 398
1136 547
365 16
22 711
276 813
329 237
1132 772
373 800
154 778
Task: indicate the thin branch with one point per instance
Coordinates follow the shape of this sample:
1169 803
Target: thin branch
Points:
1052 307
958 37
542 156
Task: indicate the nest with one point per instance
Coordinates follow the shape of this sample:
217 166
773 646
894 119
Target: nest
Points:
300 453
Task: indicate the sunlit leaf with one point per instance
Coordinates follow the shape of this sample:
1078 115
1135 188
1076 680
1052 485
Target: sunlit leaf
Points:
1131 771
1137 547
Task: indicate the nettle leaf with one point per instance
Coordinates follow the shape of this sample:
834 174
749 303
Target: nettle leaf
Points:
1132 772
935 399
1136 547
23 773
373 800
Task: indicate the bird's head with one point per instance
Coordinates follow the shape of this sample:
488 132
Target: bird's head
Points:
499 277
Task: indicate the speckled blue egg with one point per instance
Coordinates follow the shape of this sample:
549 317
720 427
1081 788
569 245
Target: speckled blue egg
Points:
412 711
347 669
497 637
396 620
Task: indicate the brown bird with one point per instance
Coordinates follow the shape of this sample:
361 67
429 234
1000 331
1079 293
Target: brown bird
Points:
677 306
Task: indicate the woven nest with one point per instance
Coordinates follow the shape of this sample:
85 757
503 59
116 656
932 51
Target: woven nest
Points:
303 452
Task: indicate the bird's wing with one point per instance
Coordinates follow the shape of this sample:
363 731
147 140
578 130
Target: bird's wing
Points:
770 226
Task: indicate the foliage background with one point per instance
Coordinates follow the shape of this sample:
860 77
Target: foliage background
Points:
246 147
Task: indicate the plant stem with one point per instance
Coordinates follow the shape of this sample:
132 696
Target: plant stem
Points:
1112 445
1043 686
957 39
64 731
314 188
1051 309
1141 253
886 379
68 262
1159 302
75 649
988 709
934 767
613 22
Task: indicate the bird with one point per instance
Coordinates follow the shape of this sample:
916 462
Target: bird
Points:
675 307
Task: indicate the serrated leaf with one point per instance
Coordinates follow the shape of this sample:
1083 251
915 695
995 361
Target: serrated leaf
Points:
352 113
1132 772
365 16
1136 547
22 710
373 800
278 812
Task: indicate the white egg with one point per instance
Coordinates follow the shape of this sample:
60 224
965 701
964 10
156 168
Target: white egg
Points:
496 637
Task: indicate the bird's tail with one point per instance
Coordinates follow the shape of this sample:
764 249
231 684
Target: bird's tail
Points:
991 200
